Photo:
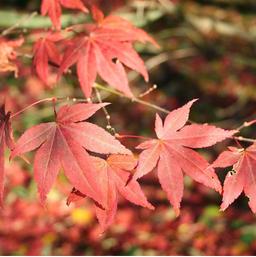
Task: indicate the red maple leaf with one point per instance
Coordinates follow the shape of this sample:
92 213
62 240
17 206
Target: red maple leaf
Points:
53 9
6 139
103 49
241 178
45 52
62 143
114 178
172 153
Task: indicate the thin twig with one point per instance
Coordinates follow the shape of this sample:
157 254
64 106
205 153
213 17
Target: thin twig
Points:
51 99
31 105
18 23
132 136
156 107
132 99
151 89
245 139
107 115
246 124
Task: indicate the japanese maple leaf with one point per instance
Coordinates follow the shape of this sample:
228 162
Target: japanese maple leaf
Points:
171 152
114 178
63 143
119 28
53 9
103 50
241 178
6 139
45 51
8 55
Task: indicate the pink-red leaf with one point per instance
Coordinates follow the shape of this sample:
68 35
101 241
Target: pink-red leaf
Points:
177 119
47 165
95 138
77 167
45 51
62 143
195 166
78 112
123 162
199 136
113 179
111 72
53 9
159 126
171 153
226 159
87 70
148 160
33 138
129 189
233 186
241 178
103 49
171 179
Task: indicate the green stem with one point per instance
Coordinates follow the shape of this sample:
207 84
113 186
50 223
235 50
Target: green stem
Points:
132 99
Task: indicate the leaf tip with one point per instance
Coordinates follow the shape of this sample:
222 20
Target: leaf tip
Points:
223 207
136 176
150 206
177 212
42 199
193 100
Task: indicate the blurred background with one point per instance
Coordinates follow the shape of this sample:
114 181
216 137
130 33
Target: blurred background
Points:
208 51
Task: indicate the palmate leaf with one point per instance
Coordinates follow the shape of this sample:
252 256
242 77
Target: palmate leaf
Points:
45 51
172 154
103 49
114 179
59 145
241 178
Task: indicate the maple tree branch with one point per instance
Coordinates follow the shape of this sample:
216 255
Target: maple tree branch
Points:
245 139
109 126
54 100
135 99
131 136
151 89
70 99
246 124
132 99
31 105
8 18
50 99
158 108
18 23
